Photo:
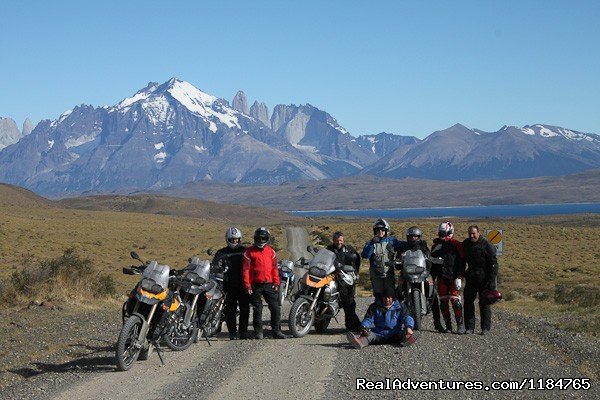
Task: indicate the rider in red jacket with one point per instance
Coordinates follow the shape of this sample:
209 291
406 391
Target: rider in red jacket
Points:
449 275
261 276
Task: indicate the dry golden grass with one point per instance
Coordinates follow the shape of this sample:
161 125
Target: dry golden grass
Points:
544 258
106 238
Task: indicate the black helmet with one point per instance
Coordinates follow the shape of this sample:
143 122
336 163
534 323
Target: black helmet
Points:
413 235
381 224
261 237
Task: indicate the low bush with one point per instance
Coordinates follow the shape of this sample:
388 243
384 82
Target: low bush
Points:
581 295
66 277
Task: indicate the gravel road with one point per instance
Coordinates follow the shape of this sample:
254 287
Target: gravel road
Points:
323 366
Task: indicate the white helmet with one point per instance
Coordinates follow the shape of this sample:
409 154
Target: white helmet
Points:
381 224
233 233
446 229
261 237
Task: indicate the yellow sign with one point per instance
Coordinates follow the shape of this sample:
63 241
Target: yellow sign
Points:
494 236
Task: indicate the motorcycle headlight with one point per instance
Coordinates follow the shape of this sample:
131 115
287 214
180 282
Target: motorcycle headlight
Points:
414 269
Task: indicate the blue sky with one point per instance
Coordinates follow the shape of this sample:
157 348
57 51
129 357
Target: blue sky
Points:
406 67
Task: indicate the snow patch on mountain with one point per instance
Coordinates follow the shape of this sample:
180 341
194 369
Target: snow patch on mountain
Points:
83 139
160 157
159 146
158 110
202 104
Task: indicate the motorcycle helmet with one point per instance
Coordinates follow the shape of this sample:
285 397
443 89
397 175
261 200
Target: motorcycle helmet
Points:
490 296
446 229
231 234
381 224
413 235
261 237
346 278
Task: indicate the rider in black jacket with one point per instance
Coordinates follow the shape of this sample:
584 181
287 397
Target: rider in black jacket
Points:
347 255
481 275
231 256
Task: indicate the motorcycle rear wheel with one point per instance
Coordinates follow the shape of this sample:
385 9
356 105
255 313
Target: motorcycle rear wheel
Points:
416 308
181 337
128 348
301 317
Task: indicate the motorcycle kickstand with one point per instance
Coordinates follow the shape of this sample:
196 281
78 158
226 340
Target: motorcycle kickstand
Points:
206 337
159 352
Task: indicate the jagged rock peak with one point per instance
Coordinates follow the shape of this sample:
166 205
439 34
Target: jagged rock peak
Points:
27 127
240 103
260 112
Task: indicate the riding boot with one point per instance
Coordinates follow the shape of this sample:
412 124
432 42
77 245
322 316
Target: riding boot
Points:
460 326
357 341
448 323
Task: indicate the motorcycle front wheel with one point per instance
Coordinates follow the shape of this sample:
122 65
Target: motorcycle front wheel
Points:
181 337
416 308
128 346
301 317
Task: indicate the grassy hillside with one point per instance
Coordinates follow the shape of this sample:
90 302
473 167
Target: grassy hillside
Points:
551 265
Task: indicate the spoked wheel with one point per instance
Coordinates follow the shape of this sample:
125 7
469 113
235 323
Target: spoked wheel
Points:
301 317
180 337
128 345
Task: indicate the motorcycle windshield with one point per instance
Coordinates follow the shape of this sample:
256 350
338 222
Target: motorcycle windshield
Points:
414 261
198 272
323 260
155 274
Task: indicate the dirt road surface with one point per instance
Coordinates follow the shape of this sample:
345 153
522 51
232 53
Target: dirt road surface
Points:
323 366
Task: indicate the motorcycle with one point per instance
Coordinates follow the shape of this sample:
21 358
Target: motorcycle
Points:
212 316
189 283
415 287
145 324
287 280
318 298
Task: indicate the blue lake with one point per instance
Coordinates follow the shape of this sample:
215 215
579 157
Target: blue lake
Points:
520 210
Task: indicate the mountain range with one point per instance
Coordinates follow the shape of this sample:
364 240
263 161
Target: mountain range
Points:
171 134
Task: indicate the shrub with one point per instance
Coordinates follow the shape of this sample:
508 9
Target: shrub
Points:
68 276
581 295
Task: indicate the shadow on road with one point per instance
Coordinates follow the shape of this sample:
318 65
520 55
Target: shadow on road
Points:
92 361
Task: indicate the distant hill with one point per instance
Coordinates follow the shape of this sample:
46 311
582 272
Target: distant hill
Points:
152 204
15 196
364 192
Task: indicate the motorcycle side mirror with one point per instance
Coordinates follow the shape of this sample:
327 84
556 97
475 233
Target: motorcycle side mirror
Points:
135 256
309 248
209 252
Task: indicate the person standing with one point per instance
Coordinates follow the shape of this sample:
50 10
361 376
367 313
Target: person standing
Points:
448 277
347 255
261 278
231 256
379 251
481 275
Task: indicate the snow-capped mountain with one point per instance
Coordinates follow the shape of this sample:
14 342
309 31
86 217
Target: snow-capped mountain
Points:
164 135
172 133
460 153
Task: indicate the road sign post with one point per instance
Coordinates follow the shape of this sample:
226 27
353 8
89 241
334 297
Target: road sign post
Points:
494 236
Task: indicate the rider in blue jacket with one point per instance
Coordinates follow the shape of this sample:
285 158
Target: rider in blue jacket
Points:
386 321
379 251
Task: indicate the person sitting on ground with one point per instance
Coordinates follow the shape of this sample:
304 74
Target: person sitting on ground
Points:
386 321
